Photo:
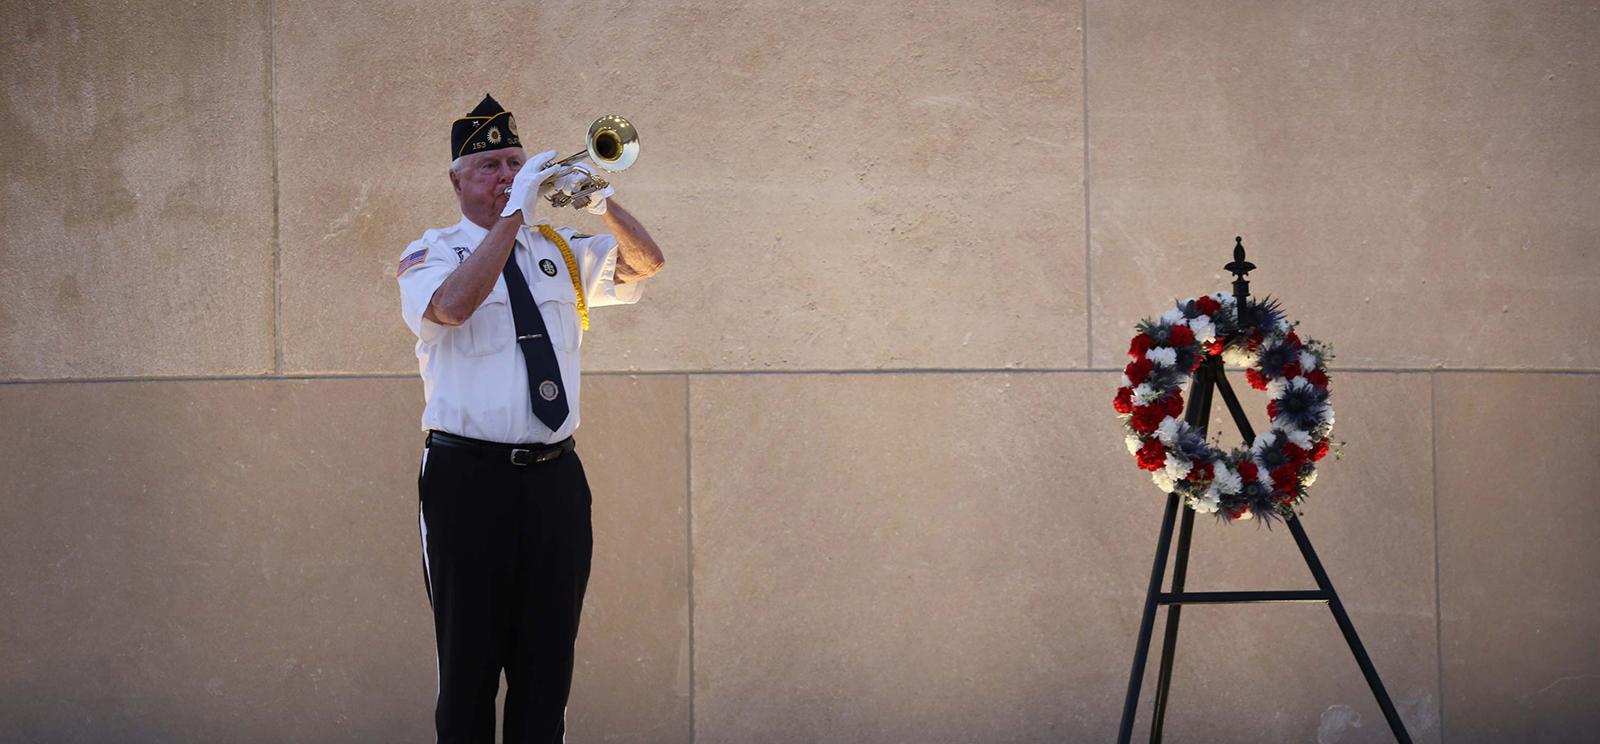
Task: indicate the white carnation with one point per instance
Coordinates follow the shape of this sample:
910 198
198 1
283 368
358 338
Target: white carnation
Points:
1207 503
1238 356
1167 430
1204 330
1164 356
1223 297
1312 478
1177 467
1300 438
1172 316
1307 362
1143 394
1163 481
1227 480
1134 443
1276 388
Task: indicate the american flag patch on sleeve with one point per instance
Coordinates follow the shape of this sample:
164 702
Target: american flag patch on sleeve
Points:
411 260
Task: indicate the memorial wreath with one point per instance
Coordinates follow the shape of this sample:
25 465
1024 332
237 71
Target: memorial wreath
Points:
1268 478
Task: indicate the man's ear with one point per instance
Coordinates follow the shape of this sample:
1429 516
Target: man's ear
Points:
455 182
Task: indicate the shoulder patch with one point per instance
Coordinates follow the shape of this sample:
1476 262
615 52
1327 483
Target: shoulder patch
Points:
411 261
461 253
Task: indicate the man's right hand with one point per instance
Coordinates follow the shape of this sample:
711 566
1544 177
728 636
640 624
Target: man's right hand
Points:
525 186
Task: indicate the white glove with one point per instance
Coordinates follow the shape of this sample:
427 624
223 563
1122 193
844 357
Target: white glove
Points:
525 187
572 180
597 200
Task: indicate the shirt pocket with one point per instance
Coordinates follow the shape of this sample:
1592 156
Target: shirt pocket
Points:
559 307
490 329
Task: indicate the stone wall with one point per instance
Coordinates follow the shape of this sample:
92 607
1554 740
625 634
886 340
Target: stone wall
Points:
857 477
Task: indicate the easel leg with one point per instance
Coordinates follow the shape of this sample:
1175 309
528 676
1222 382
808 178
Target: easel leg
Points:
1197 415
1169 645
1199 418
1396 726
1147 622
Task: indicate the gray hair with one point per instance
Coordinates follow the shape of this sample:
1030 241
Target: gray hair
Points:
461 162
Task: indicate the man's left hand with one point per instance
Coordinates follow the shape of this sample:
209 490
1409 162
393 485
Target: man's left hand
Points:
597 200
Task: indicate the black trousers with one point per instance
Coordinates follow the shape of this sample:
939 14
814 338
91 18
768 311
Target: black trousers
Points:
506 551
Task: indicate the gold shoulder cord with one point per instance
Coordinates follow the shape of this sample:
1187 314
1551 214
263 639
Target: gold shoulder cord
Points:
551 235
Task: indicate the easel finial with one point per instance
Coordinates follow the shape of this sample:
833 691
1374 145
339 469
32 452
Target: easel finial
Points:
1239 267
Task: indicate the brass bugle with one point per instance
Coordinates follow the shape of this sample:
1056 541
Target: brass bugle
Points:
613 145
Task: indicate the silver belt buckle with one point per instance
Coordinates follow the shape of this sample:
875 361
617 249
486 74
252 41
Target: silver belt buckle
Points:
522 456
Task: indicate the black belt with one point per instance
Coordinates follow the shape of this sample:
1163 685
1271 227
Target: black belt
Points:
518 454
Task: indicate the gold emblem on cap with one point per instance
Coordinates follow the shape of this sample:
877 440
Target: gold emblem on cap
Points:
493 136
511 125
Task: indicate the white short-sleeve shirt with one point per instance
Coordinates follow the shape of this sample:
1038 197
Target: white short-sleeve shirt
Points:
473 378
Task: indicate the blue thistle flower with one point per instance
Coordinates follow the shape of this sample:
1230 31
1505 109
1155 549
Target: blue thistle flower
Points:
1262 314
1275 358
1273 456
1192 444
1303 407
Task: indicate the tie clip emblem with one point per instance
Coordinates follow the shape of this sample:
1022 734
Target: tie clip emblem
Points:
548 390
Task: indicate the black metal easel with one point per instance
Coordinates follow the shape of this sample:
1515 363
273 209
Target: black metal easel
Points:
1207 378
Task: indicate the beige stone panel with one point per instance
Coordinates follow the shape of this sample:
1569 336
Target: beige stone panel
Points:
834 186
137 176
1518 525
240 561
963 557
1416 180
632 679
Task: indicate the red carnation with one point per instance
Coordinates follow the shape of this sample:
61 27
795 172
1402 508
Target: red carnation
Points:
1124 400
1318 378
1146 418
1248 471
1202 473
1291 370
1152 456
1284 477
1256 379
1141 344
1174 405
1237 512
1180 336
1320 450
1272 409
1208 305
1138 370
1255 341
1296 454
1292 340
1214 346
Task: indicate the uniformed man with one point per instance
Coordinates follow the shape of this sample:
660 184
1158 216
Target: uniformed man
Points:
499 302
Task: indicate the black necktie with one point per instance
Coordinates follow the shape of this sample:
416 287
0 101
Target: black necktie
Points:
544 370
